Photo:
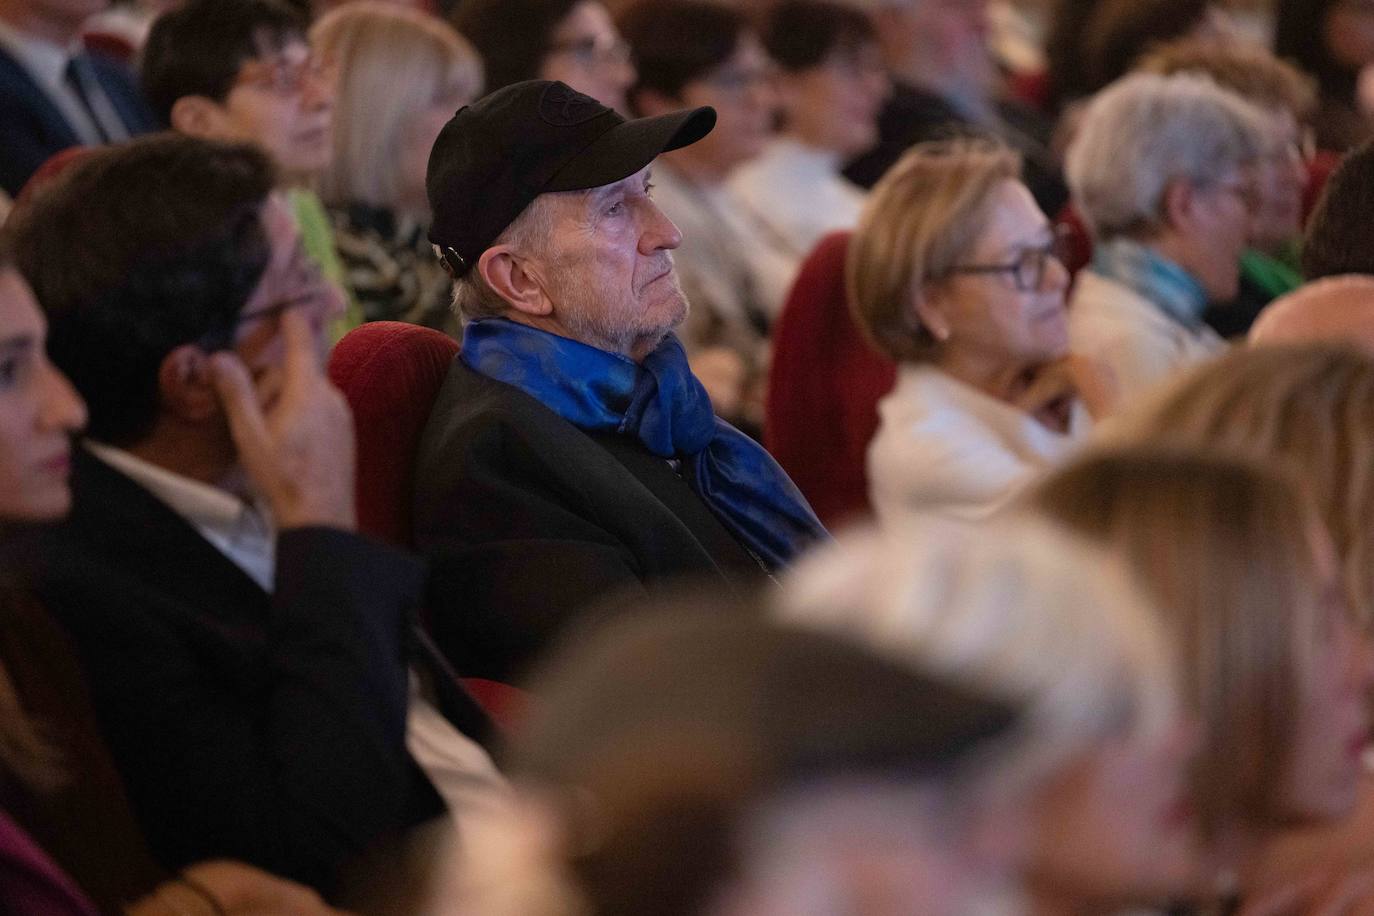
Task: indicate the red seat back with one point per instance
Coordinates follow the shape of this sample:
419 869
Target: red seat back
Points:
390 372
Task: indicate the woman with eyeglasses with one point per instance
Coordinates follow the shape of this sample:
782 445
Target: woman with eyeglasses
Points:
952 273
574 41
1167 173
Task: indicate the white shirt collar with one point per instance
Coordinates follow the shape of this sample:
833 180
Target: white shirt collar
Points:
241 529
45 61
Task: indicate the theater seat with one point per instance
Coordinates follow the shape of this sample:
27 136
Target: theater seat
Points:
824 385
391 372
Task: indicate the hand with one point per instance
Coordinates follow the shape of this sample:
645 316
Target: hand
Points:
293 431
238 889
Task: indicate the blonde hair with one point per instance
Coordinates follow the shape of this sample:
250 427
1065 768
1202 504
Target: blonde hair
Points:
393 63
921 218
1307 407
1225 546
1249 70
1023 612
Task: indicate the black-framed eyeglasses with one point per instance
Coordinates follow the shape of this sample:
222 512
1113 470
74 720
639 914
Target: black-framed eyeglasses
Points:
1029 265
223 338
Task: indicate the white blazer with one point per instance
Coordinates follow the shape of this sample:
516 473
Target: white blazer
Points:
948 449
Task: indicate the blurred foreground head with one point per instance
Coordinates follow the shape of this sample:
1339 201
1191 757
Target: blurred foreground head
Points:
1040 619
724 764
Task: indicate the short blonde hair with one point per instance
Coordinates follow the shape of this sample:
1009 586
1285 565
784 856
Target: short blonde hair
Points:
1307 407
1250 70
393 63
1025 612
1225 546
921 218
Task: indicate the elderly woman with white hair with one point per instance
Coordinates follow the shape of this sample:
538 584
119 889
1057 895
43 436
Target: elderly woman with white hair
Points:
1029 614
1162 170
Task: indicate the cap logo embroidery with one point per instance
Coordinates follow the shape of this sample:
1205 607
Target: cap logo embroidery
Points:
563 107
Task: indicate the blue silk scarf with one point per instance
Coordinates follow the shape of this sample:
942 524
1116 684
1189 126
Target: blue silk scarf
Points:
660 403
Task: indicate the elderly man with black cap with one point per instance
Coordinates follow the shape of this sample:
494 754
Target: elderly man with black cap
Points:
571 453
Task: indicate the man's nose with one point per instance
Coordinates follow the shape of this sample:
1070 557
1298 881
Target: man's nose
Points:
661 233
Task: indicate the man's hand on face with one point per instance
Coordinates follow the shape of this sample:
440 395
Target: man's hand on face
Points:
293 431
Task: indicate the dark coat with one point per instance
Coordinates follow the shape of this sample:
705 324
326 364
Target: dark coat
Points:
526 519
267 728
32 128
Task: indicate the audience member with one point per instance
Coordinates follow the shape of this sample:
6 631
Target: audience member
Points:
252 687
1164 170
945 84
53 93
58 783
1340 235
571 451
1027 615
243 71
403 74
1337 309
831 86
1309 408
1120 32
726 765
693 53
1332 40
1274 672
572 41
1269 267
953 274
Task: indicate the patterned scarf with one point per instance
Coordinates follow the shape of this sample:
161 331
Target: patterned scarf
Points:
1163 282
660 403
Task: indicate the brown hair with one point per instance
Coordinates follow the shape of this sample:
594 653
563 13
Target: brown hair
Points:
1248 70
1224 546
1308 407
925 213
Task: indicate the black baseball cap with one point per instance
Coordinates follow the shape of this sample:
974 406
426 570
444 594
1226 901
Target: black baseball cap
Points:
494 157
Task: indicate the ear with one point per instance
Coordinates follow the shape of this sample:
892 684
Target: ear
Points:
516 279
184 387
929 307
1179 205
198 116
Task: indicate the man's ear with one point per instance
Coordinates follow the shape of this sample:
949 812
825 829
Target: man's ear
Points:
516 279
184 387
198 116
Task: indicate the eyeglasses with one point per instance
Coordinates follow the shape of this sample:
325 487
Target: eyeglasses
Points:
731 80
310 285
593 52
283 77
1030 264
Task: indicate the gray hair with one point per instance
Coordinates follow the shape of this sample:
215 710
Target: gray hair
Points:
1146 130
473 298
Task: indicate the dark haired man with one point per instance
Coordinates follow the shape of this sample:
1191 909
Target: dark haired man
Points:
242 71
53 93
571 452
245 651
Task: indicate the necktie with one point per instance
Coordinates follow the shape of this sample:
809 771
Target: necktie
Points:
80 78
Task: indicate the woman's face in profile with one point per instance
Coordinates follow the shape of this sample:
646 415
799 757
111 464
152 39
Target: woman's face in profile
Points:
39 410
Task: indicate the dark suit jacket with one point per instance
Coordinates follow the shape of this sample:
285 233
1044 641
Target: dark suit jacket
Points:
913 115
526 519
263 728
32 128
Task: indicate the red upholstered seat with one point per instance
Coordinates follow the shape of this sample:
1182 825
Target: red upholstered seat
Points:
390 372
823 389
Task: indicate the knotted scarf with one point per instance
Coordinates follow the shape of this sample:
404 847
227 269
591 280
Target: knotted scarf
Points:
660 403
